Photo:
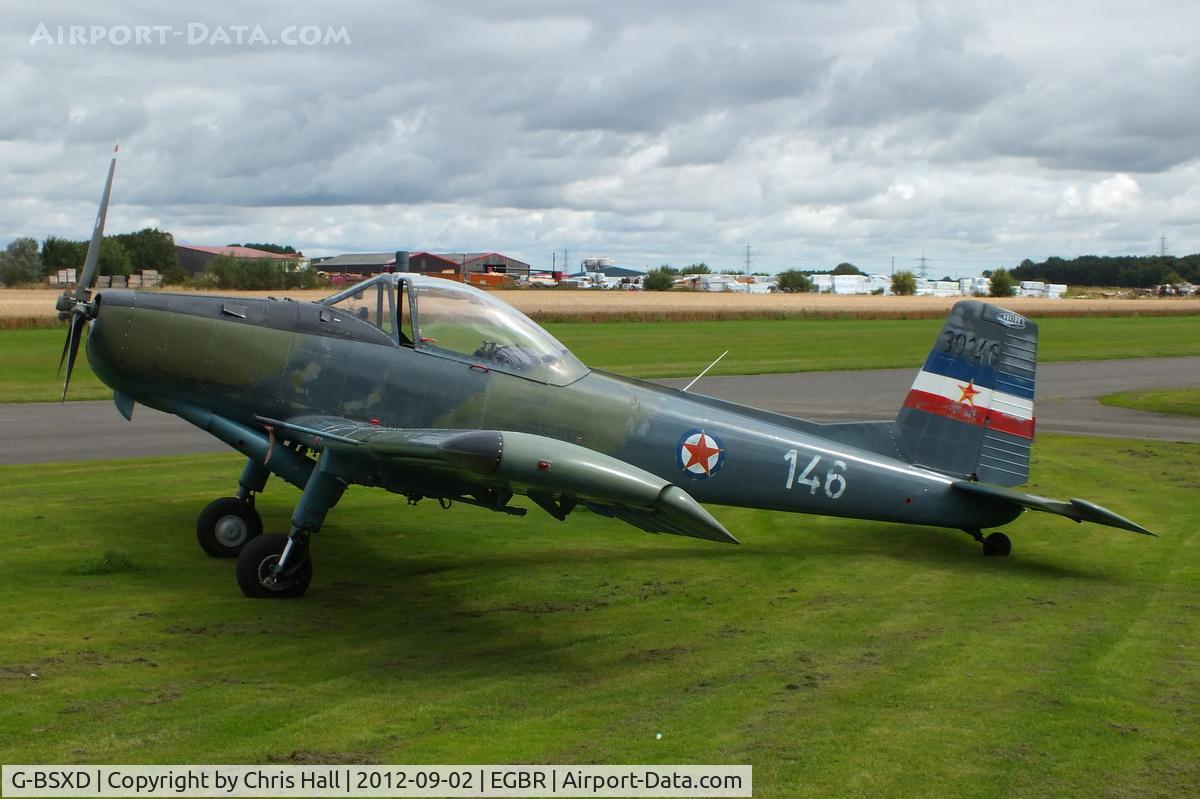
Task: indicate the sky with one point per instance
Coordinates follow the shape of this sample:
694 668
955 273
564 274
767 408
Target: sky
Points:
977 134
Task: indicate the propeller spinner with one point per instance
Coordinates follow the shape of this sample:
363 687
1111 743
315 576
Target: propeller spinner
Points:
77 307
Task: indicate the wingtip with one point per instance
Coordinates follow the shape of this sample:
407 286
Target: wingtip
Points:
1100 515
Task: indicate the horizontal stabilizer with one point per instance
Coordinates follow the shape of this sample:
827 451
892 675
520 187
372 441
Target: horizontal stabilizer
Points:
1078 509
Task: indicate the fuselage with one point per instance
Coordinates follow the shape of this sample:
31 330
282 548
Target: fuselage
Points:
281 359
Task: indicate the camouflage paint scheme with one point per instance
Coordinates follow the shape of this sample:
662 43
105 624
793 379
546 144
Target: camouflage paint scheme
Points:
277 360
429 388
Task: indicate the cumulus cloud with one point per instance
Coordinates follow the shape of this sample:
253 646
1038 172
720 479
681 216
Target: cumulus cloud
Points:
652 132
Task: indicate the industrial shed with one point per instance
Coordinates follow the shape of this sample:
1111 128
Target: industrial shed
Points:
361 263
457 263
194 257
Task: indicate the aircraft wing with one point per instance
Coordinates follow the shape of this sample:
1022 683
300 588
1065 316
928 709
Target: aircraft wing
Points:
555 474
1078 509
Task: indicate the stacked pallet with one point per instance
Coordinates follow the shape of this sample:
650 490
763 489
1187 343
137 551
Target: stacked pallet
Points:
146 279
62 278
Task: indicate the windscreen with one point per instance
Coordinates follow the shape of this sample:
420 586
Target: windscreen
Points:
371 302
457 319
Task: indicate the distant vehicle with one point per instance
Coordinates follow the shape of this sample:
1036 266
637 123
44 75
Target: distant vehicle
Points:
436 390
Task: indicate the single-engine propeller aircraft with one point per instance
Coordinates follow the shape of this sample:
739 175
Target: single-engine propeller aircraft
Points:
430 388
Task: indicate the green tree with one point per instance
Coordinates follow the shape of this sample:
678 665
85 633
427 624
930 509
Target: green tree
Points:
696 269
282 249
658 280
845 268
60 253
114 260
222 272
904 283
226 272
20 262
150 248
175 275
1122 270
1003 284
793 280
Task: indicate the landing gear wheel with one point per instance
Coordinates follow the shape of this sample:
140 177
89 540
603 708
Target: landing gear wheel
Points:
255 569
225 525
997 544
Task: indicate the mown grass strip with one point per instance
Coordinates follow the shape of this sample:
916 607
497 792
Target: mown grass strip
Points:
1185 401
838 657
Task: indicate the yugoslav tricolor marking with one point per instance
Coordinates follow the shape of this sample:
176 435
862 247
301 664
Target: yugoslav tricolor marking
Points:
942 363
969 402
699 454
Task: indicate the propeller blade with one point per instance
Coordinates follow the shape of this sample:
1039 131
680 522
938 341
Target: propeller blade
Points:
88 276
71 349
66 345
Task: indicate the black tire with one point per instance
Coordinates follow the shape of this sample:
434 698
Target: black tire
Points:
254 568
997 545
225 525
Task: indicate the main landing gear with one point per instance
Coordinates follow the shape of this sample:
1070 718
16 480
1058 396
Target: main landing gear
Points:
994 545
278 566
275 566
226 524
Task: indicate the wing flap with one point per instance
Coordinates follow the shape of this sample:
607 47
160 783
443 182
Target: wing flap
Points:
1079 510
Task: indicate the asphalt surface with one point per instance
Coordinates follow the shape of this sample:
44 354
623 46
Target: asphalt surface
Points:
1066 403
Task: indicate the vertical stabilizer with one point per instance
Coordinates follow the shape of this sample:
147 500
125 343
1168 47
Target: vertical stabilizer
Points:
970 410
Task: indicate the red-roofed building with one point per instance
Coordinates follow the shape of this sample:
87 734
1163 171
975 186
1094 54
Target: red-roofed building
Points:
194 257
458 264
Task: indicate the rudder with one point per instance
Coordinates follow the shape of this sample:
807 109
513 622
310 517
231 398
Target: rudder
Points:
970 410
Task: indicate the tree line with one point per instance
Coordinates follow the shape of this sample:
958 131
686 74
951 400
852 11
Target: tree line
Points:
24 262
1126 271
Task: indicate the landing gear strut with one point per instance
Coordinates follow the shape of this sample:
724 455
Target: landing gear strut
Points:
994 545
274 566
278 566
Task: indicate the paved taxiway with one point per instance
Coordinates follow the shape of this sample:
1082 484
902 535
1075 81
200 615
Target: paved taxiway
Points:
1066 403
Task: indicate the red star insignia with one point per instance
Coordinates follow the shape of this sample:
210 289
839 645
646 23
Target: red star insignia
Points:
700 452
968 393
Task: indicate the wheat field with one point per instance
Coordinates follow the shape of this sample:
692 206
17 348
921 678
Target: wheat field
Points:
35 307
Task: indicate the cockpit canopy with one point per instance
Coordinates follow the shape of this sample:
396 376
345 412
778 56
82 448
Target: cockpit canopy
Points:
453 320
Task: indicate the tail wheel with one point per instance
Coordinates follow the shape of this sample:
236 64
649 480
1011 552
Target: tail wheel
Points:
997 545
225 525
256 570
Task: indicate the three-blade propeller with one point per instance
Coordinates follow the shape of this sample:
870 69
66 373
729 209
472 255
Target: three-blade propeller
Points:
77 308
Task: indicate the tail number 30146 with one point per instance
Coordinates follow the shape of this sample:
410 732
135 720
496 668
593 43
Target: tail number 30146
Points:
835 478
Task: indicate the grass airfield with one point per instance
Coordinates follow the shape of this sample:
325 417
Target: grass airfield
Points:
1184 401
838 657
